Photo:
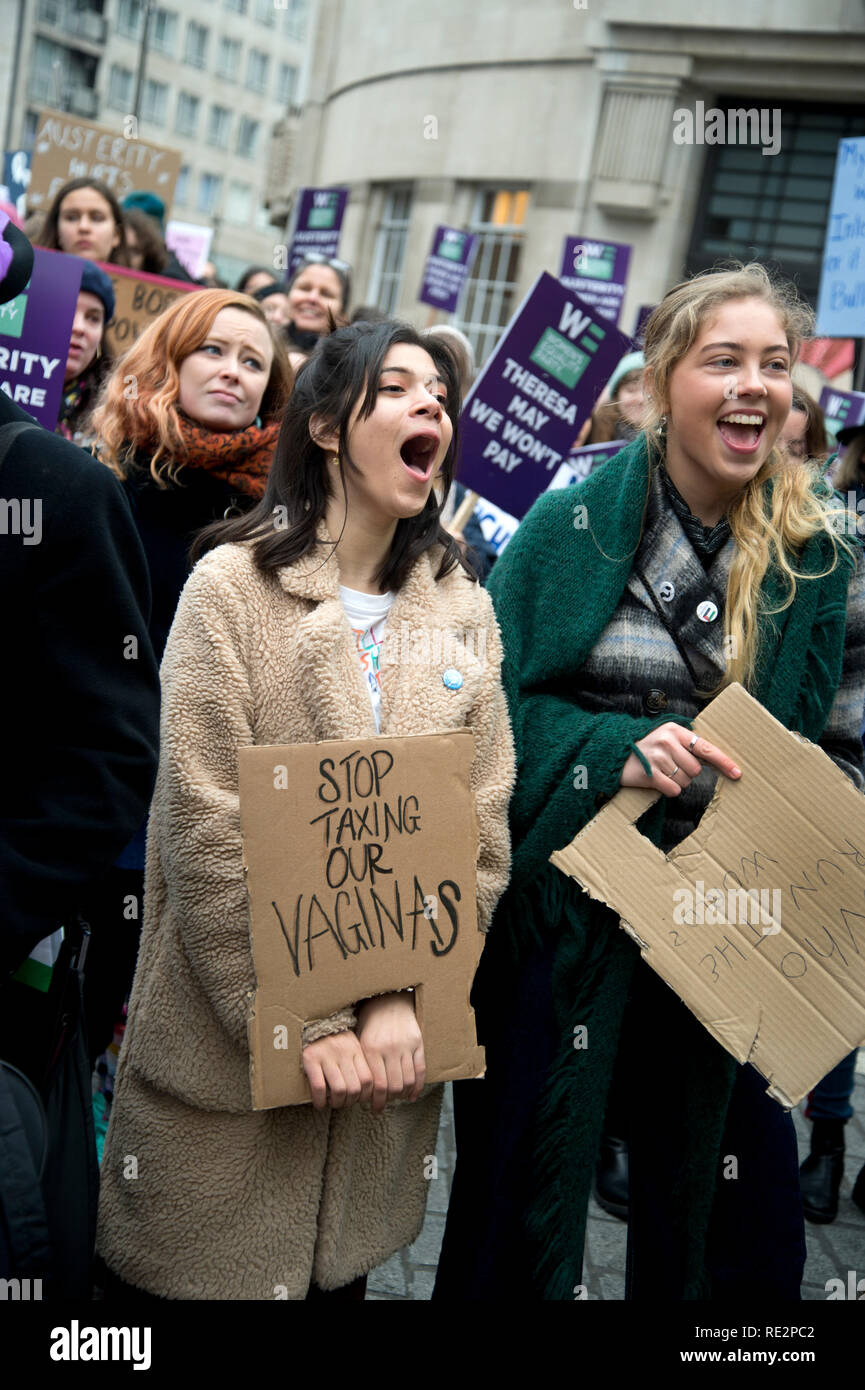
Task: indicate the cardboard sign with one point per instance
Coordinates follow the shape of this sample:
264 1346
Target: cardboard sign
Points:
66 147
842 409
139 299
841 299
597 271
35 329
447 268
361 863
757 919
190 244
583 461
525 408
317 223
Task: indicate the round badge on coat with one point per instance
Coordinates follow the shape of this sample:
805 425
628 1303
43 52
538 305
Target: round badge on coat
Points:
707 611
452 678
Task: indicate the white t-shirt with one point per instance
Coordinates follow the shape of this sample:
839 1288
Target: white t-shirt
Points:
367 616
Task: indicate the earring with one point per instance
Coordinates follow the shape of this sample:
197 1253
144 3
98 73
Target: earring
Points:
335 460
662 426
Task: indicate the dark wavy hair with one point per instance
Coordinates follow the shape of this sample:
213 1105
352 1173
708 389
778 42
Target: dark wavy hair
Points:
49 235
342 372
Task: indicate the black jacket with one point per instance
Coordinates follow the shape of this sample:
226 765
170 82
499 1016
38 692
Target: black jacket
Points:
168 519
79 702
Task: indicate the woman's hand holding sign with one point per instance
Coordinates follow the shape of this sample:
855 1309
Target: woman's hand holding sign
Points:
675 756
382 1061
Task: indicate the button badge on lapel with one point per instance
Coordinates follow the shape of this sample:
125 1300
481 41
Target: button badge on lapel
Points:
451 678
707 611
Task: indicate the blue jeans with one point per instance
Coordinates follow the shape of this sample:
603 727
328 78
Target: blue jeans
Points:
830 1098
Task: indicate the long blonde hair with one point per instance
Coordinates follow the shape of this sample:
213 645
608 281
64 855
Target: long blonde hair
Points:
138 405
778 511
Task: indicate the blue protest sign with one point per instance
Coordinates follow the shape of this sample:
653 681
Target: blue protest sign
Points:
317 224
524 410
583 461
841 301
447 268
597 271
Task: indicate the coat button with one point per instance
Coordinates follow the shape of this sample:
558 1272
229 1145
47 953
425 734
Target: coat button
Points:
655 702
667 591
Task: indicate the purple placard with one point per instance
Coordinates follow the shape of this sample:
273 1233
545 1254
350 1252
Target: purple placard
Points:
35 329
524 411
447 268
842 409
318 223
597 271
644 313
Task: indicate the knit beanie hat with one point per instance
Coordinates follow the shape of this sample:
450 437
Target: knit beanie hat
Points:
631 362
149 203
95 281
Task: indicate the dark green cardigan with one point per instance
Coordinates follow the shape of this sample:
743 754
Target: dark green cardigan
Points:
555 589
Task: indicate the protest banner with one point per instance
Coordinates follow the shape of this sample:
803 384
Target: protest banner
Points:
447 268
524 409
316 224
843 409
35 329
16 179
361 860
644 313
139 299
190 244
757 918
841 299
66 147
583 461
597 271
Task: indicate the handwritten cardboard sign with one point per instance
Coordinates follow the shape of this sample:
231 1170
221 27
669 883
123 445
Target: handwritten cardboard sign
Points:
361 863
139 299
841 300
65 147
757 919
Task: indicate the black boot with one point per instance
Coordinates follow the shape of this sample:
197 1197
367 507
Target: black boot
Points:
611 1176
858 1193
821 1173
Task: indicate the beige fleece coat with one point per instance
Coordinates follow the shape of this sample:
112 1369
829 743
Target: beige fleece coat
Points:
202 1198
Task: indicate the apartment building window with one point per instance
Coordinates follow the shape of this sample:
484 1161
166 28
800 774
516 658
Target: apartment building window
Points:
120 88
181 192
285 84
247 137
218 126
186 120
163 31
239 6
154 102
228 59
386 274
490 299
238 204
49 73
196 45
130 18
294 22
209 192
264 12
256 70
773 208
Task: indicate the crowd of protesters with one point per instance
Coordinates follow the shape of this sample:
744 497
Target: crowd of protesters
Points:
121 858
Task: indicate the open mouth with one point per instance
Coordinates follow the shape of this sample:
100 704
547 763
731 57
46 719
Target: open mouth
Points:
742 432
418 455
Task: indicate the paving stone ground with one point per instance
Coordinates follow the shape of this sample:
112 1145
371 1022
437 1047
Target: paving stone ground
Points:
833 1250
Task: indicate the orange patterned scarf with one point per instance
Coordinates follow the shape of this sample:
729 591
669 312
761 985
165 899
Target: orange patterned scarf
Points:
241 458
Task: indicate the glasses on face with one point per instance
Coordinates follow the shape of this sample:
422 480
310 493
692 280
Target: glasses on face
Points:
318 258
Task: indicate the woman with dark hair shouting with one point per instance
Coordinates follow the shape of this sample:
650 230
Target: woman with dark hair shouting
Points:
278 638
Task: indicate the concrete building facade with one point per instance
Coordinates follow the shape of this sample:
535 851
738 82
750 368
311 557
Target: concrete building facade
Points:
530 122
218 77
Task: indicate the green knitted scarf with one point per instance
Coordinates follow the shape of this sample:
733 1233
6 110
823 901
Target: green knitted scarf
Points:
555 589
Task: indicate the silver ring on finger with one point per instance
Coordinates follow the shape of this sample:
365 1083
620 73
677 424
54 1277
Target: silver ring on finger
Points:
675 770
693 741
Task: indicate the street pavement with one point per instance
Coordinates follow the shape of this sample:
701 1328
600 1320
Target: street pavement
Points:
833 1251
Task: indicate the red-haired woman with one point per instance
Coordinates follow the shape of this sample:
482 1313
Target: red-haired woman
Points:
189 420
